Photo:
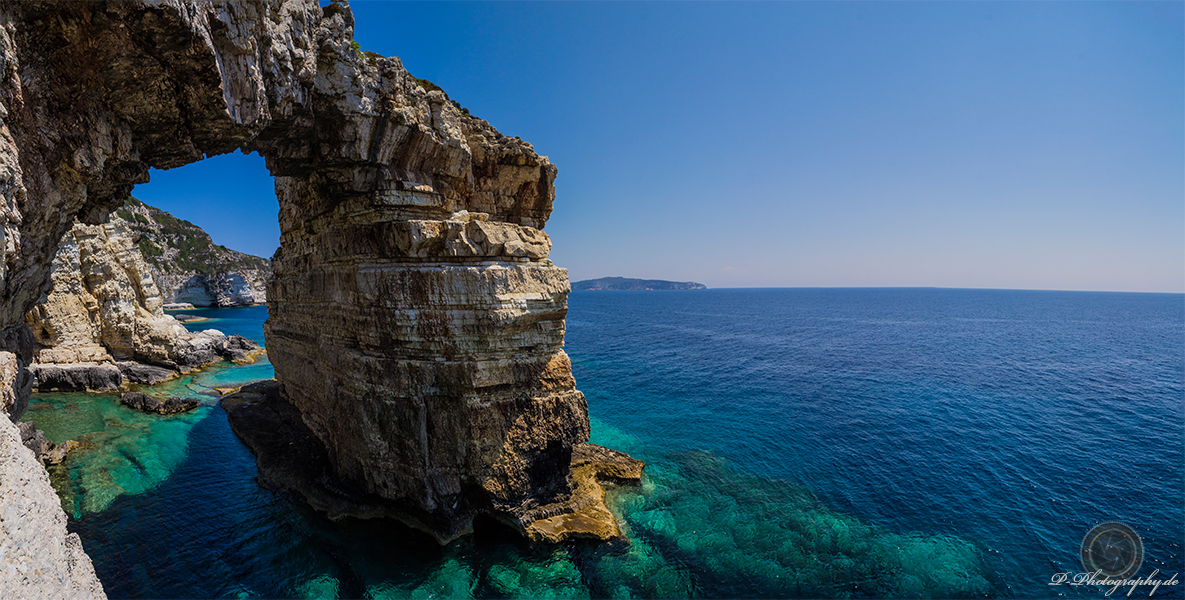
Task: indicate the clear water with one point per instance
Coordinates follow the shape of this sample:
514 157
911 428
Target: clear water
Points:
800 443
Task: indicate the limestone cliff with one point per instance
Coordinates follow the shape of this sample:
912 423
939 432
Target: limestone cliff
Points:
187 265
40 559
415 323
103 315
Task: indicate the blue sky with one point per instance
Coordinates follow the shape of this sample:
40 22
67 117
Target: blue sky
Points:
993 145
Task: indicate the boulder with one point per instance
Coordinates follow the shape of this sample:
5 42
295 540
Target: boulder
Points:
76 377
151 404
147 374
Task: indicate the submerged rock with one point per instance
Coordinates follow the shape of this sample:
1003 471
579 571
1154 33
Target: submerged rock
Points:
151 404
46 451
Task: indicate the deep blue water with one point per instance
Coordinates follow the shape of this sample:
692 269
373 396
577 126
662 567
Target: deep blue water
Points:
809 443
1015 420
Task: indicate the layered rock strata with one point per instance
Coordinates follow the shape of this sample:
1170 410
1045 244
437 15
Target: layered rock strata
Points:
416 323
291 457
102 319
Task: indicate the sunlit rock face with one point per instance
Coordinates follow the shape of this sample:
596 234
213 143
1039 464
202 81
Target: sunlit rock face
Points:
415 321
103 303
220 289
102 325
414 317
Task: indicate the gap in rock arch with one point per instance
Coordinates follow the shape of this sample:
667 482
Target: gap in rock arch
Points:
231 196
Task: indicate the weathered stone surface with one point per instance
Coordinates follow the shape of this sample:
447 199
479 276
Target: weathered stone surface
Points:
584 514
95 377
135 372
415 321
291 457
161 406
38 558
15 379
238 349
46 451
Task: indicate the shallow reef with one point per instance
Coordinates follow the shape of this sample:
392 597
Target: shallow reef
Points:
697 526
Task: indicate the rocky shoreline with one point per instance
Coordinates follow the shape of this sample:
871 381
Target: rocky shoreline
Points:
102 324
206 348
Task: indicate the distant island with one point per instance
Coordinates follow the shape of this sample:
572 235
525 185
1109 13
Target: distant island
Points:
625 283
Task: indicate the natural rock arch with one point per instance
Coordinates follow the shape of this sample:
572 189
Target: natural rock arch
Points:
415 321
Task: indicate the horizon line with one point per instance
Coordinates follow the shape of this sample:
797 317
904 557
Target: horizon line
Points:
884 287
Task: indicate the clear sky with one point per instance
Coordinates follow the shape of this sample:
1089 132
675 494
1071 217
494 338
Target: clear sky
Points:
957 144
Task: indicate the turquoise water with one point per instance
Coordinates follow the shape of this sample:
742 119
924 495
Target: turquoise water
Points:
800 443
125 451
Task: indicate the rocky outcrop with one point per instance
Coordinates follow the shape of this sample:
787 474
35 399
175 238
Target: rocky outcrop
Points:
88 376
104 307
43 449
135 372
187 266
415 321
161 406
583 514
291 457
38 557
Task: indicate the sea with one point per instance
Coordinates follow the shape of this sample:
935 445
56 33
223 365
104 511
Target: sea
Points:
800 443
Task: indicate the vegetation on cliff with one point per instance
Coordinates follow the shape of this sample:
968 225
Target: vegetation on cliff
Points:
186 263
173 245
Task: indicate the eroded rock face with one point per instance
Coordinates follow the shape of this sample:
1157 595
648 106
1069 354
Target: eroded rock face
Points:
103 303
102 319
415 321
40 559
